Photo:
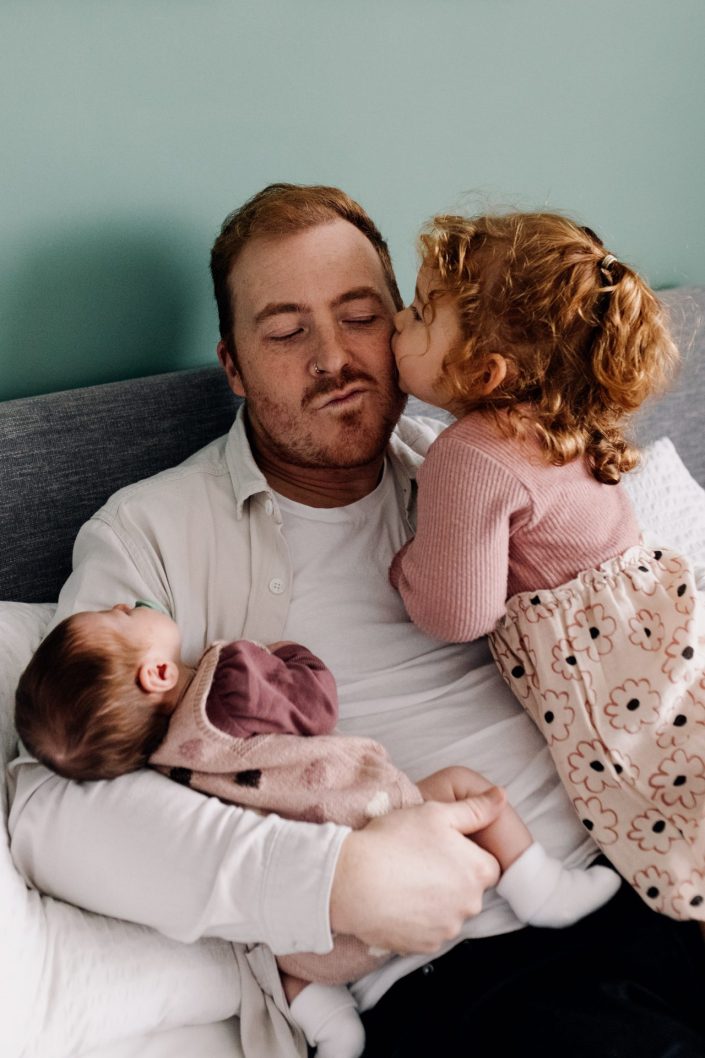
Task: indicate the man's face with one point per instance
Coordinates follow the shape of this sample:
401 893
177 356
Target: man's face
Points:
313 322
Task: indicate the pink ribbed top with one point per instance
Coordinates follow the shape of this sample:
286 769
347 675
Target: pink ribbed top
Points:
494 519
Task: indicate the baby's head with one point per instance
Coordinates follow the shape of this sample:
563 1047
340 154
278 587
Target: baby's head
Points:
94 701
528 312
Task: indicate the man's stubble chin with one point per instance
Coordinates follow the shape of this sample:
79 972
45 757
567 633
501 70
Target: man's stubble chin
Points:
356 438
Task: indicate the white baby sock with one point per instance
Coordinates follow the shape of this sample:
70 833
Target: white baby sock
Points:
542 892
330 1021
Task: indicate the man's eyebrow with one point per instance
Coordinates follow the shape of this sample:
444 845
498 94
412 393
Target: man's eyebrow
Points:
279 308
357 294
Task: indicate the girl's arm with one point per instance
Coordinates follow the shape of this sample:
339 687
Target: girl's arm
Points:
453 574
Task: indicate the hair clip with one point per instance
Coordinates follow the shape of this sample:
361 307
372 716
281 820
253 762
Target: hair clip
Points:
607 260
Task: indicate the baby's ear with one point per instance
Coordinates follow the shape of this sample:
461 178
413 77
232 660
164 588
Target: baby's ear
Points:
494 374
156 676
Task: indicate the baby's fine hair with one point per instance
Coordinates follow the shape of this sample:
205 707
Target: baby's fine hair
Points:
79 709
584 337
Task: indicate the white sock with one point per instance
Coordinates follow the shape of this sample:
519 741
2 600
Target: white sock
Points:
542 892
330 1021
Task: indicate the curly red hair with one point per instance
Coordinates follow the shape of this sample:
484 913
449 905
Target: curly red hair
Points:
584 337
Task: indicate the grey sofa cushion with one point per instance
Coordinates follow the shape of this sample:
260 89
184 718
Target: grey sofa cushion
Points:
63 454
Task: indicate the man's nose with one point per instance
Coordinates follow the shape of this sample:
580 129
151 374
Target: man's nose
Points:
399 318
331 353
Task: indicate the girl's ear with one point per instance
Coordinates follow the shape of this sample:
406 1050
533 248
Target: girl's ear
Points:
156 676
495 373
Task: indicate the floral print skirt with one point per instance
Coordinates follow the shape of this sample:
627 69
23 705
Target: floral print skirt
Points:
611 667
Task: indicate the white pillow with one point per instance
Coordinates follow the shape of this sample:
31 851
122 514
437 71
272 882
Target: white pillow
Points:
69 980
22 627
669 503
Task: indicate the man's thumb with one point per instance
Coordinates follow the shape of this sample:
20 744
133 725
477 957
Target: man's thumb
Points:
476 813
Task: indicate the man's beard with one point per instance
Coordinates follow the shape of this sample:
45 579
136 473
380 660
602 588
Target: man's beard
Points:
357 442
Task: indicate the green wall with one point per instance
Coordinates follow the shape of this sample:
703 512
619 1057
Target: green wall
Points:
129 128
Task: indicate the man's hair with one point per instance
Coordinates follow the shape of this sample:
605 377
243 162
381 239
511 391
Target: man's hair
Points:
79 709
584 337
284 209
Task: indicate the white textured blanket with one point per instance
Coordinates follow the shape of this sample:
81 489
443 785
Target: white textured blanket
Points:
669 503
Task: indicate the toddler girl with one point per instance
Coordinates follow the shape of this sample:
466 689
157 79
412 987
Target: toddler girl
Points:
107 692
542 344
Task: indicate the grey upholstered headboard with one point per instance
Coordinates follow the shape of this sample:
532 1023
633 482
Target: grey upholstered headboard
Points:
63 454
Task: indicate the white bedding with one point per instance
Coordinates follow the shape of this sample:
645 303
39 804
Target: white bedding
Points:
218 1040
77 984
669 503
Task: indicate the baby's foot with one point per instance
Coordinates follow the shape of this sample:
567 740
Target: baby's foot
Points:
542 892
330 1021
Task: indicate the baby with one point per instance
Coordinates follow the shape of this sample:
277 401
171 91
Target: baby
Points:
107 693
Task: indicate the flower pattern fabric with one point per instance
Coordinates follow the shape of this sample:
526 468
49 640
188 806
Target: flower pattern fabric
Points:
611 668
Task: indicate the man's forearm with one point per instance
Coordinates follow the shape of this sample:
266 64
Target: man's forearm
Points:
144 849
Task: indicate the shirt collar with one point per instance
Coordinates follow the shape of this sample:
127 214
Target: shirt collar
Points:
247 478
406 450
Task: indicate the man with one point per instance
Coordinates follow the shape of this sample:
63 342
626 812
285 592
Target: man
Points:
284 530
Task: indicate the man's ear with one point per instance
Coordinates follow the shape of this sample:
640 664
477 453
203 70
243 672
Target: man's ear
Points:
231 372
494 374
156 676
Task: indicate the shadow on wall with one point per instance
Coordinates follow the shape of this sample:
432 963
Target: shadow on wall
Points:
97 304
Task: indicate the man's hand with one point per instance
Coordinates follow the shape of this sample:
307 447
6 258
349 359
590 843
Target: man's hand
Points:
407 881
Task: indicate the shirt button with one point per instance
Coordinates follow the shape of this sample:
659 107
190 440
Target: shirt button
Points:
268 506
427 969
276 586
